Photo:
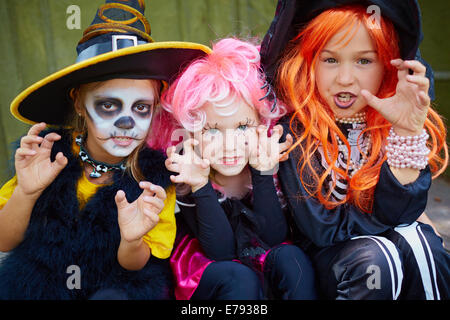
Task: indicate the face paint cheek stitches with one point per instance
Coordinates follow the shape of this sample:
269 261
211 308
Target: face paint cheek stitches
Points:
138 131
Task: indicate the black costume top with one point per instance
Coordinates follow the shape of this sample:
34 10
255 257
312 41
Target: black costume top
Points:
394 204
233 228
60 235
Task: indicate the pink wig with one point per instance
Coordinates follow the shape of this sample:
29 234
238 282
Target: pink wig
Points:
232 71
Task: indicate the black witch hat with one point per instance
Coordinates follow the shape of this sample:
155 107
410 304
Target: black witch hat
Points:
118 44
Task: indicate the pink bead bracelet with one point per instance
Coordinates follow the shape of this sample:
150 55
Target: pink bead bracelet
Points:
407 151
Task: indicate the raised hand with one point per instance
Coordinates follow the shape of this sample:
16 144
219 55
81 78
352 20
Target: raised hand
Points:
137 218
34 169
408 108
191 169
269 151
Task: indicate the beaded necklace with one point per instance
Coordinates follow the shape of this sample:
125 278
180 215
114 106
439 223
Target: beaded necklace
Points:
359 117
99 167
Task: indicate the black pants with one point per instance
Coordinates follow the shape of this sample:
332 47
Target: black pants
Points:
287 271
228 280
408 262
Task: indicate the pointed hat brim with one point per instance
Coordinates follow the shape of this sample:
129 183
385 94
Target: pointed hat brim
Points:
48 99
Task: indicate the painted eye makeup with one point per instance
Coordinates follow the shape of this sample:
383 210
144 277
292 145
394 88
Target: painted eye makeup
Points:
242 127
142 109
249 123
107 108
213 131
208 129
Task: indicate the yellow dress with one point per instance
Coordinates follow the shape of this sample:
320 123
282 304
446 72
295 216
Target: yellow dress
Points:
160 239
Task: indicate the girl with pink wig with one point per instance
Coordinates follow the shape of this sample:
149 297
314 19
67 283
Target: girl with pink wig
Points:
231 224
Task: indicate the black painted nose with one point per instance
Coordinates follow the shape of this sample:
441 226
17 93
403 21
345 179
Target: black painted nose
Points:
125 123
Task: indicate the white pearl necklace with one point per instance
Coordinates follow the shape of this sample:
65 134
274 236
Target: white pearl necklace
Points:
359 117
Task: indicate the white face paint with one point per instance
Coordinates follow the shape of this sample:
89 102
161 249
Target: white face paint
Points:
119 114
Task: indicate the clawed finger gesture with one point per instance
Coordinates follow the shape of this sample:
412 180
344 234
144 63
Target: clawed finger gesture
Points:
408 108
34 169
137 218
191 169
269 151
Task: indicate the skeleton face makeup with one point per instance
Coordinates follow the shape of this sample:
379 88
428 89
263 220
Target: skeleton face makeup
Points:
119 114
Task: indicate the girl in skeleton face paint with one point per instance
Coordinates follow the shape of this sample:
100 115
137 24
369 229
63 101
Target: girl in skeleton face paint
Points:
86 192
117 116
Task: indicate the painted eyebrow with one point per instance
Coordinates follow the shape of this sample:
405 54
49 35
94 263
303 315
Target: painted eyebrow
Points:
120 102
248 121
208 126
145 101
109 99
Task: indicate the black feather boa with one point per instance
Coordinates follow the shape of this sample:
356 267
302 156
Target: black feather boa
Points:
60 235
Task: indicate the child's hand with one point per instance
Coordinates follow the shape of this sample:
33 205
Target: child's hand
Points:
34 169
408 108
191 169
269 151
137 218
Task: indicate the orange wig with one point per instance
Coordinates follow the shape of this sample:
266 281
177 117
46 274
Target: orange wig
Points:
296 86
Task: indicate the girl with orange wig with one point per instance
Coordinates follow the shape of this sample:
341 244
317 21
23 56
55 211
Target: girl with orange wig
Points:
366 145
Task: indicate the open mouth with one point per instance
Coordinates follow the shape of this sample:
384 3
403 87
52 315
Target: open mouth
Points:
344 100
